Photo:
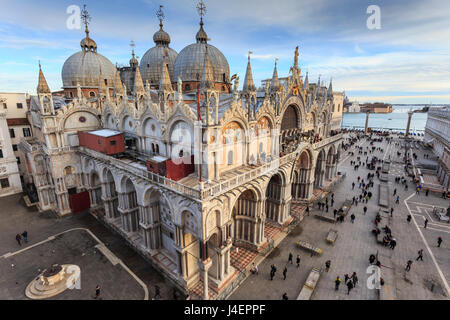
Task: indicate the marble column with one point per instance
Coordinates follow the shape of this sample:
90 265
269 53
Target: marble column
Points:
204 267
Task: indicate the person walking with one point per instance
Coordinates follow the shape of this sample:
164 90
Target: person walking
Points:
273 271
439 241
346 277
284 273
157 292
354 279
97 292
408 218
290 257
285 296
425 223
25 236
352 217
349 286
420 252
326 206
365 209
408 265
395 191
337 282
398 200
392 243
307 210
426 192
327 265
298 261
19 239
335 213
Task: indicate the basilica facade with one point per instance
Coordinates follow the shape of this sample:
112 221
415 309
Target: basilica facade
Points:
255 151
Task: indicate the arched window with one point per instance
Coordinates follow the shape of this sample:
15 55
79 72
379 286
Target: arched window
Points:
153 147
92 94
187 87
230 157
339 107
181 154
157 148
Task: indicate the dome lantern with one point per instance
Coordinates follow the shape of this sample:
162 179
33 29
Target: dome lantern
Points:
87 44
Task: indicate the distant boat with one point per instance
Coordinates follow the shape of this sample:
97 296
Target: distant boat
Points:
389 119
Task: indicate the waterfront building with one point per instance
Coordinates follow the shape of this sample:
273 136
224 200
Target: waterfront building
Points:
353 107
437 135
255 151
376 107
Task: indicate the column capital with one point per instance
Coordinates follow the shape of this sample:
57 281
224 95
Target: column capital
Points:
205 264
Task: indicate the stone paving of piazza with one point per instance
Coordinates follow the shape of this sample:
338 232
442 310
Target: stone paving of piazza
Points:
355 243
349 253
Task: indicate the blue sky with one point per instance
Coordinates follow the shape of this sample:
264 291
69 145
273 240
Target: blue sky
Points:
406 61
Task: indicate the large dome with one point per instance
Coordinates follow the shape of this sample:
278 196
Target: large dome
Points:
151 62
84 67
189 63
150 65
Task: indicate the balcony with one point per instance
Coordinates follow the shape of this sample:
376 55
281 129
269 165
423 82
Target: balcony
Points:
29 145
327 141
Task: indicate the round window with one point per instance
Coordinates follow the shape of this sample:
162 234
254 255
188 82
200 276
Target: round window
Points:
82 119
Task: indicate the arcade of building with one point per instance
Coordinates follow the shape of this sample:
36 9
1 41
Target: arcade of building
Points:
282 142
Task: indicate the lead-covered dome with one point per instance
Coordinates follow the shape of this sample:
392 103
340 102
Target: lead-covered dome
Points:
150 65
190 61
87 67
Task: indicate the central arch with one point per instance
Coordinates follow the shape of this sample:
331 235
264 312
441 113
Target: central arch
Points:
248 225
301 182
110 196
319 173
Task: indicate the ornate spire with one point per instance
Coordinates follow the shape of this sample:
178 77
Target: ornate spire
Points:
248 80
207 77
133 61
161 37
275 84
164 82
118 87
138 84
87 44
306 83
42 83
201 36
330 88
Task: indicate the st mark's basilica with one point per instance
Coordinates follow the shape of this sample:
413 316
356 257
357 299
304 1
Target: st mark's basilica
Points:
231 165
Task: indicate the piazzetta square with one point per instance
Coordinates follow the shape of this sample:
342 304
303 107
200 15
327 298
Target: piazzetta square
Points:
204 151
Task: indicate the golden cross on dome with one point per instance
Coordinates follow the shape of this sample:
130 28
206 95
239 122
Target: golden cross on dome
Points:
201 8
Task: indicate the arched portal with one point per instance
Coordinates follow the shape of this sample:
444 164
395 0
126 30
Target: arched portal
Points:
290 119
95 190
301 182
319 173
331 163
274 199
248 225
110 197
128 206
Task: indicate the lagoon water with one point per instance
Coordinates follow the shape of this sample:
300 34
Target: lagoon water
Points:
396 120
